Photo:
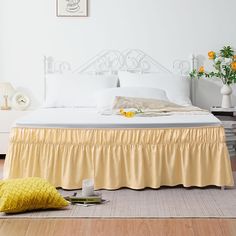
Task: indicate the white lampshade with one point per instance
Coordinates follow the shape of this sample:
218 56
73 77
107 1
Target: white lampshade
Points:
6 89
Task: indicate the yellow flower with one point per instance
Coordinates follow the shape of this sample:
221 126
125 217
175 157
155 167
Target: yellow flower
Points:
129 114
211 55
201 69
233 65
122 111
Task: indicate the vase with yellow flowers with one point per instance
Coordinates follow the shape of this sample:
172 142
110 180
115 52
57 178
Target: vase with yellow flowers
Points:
224 63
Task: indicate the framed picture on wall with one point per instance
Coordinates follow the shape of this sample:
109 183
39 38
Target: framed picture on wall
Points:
70 8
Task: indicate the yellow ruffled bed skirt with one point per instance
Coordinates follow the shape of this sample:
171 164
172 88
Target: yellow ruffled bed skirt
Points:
115 158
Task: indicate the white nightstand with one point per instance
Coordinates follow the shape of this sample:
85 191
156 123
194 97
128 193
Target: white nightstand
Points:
7 118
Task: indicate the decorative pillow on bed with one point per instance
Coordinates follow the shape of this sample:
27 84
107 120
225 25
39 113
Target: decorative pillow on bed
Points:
76 90
177 88
106 98
19 195
143 104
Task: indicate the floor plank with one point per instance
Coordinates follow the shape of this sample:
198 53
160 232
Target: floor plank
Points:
118 227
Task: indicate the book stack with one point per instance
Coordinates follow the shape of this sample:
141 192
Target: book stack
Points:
228 118
230 134
84 200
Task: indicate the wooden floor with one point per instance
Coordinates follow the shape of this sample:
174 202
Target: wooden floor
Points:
118 227
103 227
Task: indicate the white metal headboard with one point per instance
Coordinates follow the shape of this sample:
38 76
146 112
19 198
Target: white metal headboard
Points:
109 61
112 61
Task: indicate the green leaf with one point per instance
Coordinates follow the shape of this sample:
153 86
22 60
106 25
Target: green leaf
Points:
227 52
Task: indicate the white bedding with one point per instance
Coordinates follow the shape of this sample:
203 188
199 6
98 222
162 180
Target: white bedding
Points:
89 118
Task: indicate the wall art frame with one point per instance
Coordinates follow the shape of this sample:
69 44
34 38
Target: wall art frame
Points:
72 8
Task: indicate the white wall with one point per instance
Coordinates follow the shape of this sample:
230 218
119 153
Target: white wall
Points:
165 29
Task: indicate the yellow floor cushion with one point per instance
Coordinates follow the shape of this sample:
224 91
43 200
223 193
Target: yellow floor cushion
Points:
19 195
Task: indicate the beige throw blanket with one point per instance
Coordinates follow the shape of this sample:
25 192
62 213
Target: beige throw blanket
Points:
153 107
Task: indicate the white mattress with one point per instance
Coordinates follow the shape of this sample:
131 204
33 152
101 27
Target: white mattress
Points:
89 118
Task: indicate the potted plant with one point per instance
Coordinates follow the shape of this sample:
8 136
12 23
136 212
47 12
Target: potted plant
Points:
224 63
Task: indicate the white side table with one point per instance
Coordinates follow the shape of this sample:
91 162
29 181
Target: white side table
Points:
7 119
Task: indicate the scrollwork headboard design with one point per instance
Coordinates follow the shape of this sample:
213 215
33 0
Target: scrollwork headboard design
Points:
109 61
112 61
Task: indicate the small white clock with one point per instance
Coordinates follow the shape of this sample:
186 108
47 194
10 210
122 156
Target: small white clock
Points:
20 101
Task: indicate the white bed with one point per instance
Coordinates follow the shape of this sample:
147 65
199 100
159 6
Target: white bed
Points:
67 145
90 118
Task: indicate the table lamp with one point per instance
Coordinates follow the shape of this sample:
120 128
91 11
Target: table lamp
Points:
6 90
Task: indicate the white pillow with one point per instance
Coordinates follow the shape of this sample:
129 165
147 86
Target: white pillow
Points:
106 98
177 87
74 90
